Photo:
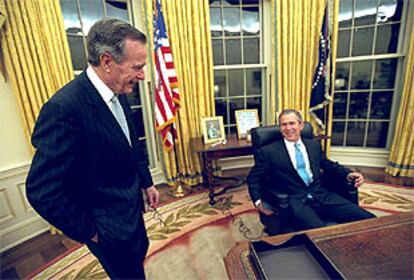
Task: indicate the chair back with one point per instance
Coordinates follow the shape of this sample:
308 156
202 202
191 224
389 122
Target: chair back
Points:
262 136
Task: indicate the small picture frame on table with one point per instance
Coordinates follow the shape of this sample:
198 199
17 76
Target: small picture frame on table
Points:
245 121
213 129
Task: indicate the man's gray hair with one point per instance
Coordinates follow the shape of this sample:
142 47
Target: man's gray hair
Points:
108 35
291 111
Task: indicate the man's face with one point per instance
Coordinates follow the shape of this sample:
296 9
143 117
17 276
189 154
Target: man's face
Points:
130 70
290 127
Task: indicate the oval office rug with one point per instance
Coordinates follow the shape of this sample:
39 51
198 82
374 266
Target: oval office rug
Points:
197 236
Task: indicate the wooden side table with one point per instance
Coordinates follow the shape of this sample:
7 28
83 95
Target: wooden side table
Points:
233 147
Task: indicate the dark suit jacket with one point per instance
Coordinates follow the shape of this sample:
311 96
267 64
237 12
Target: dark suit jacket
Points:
274 173
85 178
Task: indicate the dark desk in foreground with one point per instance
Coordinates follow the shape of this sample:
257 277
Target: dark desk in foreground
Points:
380 248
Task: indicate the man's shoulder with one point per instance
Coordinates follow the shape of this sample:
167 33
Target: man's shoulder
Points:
272 147
72 91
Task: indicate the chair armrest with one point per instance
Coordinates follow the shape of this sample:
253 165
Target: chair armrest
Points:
342 187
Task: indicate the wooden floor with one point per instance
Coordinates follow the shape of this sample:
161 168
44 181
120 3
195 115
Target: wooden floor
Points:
23 259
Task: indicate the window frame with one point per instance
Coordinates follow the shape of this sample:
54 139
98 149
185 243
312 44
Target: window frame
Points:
371 156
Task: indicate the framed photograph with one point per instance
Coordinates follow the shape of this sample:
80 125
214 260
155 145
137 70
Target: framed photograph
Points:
246 120
213 129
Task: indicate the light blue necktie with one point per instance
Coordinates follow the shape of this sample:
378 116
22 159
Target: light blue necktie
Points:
300 165
120 116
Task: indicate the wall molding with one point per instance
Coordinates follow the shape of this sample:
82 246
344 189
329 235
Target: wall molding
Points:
357 157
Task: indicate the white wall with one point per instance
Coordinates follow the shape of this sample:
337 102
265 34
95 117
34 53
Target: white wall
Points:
14 149
18 221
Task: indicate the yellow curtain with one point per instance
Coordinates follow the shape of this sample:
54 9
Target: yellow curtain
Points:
334 11
36 54
188 26
2 13
2 20
273 71
298 28
401 161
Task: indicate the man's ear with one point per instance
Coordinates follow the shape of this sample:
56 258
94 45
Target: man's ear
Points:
301 125
106 62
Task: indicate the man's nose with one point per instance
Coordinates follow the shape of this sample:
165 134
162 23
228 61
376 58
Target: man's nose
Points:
140 74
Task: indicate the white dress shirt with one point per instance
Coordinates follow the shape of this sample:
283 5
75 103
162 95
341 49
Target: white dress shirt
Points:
106 93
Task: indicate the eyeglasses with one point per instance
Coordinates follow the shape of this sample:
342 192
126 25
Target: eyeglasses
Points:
156 215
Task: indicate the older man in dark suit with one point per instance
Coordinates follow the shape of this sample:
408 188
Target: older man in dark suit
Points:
89 169
294 167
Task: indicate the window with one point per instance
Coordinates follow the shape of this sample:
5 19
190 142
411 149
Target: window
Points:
79 16
239 72
366 76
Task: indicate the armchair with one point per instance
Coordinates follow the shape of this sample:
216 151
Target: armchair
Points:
280 220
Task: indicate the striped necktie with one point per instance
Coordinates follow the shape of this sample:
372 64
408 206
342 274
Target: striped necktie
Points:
120 116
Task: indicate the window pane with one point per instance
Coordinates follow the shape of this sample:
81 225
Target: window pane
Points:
344 38
339 107
231 2
358 105
235 104
338 129
385 71
220 83
216 25
91 11
231 21
214 2
77 52
365 12
250 2
342 75
387 38
232 130
355 134
251 24
233 52
361 74
377 134
381 105
255 103
221 109
251 50
362 44
253 81
70 16
345 13
389 10
236 82
218 58
134 98
117 10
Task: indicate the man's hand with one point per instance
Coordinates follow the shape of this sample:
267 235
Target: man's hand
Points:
153 196
265 211
357 177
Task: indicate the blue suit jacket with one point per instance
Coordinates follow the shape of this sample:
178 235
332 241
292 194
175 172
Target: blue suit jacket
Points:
85 178
274 173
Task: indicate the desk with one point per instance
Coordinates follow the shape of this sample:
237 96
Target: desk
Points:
379 248
232 148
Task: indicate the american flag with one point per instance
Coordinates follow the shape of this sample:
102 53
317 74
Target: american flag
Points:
166 84
321 93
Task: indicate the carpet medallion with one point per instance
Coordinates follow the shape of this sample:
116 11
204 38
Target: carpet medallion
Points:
196 237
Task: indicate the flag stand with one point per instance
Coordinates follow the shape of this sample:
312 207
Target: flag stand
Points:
180 190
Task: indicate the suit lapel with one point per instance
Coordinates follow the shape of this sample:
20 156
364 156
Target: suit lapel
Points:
312 155
102 112
285 158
